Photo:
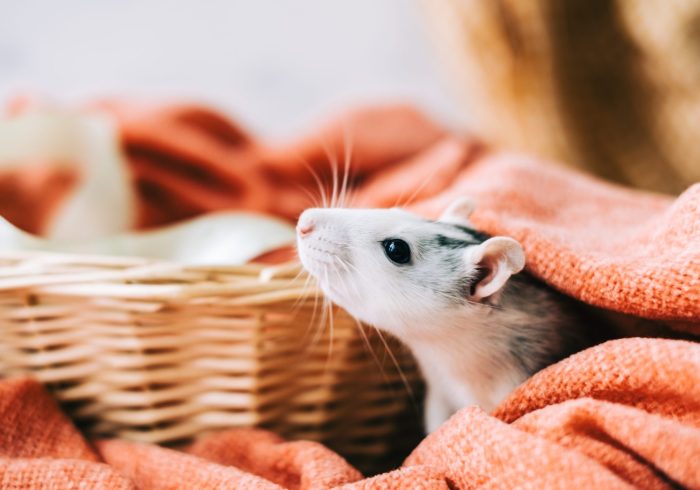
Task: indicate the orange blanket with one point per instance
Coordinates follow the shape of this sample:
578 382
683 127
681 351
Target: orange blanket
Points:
623 414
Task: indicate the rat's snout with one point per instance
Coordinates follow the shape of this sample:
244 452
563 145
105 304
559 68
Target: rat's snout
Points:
306 224
305 229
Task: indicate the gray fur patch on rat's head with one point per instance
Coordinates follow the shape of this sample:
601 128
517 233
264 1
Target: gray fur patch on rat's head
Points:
350 252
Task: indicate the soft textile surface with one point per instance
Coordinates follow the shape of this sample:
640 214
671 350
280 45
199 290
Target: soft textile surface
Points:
620 415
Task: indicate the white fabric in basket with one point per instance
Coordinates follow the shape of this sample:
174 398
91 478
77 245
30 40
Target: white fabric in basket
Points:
225 238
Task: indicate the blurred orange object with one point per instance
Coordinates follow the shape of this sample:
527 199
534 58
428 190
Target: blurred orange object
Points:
187 160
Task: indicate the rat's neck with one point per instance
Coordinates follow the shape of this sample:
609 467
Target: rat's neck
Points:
527 327
471 361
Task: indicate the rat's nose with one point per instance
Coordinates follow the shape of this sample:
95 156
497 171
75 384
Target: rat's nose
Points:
305 230
305 225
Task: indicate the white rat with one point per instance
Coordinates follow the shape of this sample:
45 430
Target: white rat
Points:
449 292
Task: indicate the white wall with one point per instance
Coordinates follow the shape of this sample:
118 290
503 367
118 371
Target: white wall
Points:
276 65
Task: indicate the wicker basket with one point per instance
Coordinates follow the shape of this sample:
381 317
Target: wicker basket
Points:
162 353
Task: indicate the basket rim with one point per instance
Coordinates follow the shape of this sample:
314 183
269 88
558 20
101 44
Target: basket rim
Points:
104 275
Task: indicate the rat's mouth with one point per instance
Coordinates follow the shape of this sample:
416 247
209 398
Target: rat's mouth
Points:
318 260
329 270
322 258
322 249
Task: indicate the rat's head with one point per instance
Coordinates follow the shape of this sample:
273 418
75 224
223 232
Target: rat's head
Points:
397 271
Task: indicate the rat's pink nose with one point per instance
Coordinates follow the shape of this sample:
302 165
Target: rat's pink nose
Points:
305 227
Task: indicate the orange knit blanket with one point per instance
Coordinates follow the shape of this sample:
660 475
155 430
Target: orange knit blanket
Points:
620 415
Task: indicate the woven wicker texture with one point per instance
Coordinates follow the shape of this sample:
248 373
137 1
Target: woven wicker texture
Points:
157 352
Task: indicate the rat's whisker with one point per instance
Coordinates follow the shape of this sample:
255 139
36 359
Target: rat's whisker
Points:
349 197
301 272
334 173
347 146
347 266
330 324
311 327
375 358
396 364
311 200
361 329
320 324
332 155
390 353
417 190
319 183
305 292
342 263
323 320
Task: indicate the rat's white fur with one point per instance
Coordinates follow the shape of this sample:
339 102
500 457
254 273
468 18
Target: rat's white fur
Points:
441 305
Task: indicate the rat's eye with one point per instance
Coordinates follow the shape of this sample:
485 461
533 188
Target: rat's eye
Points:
397 250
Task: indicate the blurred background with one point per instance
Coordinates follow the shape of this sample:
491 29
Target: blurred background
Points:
276 65
610 87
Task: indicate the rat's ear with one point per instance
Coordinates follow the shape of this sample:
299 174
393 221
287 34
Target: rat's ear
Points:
498 258
459 211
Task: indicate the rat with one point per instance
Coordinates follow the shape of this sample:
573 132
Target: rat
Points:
476 323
